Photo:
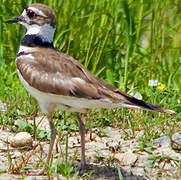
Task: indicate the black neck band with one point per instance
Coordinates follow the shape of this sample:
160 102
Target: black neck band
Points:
35 40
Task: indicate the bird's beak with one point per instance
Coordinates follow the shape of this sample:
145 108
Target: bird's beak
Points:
14 20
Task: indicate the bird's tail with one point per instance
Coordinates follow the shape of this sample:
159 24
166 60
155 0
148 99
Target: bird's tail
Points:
136 103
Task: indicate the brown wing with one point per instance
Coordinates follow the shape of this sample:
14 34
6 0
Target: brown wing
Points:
54 72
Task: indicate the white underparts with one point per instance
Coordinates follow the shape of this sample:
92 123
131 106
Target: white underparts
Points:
26 49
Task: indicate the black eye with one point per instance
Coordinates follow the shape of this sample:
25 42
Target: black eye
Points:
30 13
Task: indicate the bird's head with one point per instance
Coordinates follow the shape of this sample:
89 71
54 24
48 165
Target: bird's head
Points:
38 19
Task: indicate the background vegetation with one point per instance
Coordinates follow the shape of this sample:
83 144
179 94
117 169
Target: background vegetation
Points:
126 43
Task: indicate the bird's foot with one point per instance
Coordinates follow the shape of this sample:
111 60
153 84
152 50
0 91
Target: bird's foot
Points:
80 166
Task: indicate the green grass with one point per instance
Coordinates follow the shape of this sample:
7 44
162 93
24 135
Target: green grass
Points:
126 43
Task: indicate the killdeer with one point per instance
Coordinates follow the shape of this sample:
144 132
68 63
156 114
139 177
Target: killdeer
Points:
57 80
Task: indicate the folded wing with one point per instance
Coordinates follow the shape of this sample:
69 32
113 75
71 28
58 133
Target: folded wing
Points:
53 72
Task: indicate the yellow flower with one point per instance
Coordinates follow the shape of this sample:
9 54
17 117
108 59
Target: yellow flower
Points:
176 1
161 87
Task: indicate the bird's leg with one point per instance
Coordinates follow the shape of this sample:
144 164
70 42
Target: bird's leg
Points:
52 140
82 135
53 136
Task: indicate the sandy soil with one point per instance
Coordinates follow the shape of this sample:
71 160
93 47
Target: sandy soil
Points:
104 156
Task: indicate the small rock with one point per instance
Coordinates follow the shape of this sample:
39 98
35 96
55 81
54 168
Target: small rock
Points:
127 158
16 154
140 134
176 138
163 141
22 139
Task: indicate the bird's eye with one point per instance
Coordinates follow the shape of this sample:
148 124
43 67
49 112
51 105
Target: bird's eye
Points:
30 13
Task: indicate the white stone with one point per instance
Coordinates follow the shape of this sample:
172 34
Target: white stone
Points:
163 141
176 138
22 139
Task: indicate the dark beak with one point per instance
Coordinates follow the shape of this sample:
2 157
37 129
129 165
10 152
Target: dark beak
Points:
14 20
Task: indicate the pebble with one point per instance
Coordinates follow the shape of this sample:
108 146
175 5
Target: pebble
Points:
176 138
22 139
165 140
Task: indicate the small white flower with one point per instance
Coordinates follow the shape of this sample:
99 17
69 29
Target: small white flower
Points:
3 106
153 82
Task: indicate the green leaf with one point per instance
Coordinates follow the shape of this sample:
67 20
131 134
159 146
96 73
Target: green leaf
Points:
148 149
150 163
42 134
22 124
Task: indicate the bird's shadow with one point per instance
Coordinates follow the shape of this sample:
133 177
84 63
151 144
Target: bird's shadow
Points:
108 172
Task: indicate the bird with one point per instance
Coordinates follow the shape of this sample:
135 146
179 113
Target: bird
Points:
58 81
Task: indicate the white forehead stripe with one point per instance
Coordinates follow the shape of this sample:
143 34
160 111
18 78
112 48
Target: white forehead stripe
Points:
37 11
25 16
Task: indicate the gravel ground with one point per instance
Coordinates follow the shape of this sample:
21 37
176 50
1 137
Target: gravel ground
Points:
104 156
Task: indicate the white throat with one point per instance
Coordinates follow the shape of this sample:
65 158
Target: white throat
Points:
46 32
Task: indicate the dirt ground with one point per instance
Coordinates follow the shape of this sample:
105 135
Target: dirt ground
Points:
104 155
